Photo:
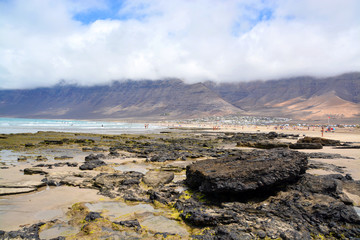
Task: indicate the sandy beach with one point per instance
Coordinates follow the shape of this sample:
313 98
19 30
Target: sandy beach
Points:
60 184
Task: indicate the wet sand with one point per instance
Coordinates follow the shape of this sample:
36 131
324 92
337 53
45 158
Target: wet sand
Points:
43 205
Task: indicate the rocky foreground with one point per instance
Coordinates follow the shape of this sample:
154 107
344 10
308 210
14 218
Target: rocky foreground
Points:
228 193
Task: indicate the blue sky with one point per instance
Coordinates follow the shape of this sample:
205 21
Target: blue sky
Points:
98 41
110 10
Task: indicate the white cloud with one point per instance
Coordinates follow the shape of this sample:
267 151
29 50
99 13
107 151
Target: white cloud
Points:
198 40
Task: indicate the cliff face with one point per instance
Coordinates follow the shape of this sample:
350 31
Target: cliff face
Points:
130 99
302 97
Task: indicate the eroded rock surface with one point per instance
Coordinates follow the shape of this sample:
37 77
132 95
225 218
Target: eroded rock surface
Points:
156 178
247 171
312 206
322 141
306 146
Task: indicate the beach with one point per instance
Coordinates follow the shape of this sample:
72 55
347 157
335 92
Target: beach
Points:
44 178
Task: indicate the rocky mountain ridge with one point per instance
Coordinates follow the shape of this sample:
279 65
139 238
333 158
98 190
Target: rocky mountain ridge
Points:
299 98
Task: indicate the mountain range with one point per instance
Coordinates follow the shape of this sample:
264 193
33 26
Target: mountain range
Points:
299 98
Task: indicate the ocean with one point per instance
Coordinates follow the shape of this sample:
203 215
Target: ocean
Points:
23 125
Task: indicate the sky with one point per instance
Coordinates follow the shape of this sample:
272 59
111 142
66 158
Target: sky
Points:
87 42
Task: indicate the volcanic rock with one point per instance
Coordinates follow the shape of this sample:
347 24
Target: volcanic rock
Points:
90 165
156 178
63 158
94 157
311 206
31 232
117 179
130 223
22 159
306 146
322 141
247 171
92 216
41 158
327 155
262 144
34 170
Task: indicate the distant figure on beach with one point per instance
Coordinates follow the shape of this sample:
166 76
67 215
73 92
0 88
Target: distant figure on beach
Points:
322 131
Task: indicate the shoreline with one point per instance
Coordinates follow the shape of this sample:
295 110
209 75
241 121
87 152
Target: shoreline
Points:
125 159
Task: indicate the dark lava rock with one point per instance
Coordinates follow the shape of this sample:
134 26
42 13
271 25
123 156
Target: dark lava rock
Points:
125 185
98 149
262 144
114 154
163 235
34 170
311 206
54 142
94 157
162 157
58 238
322 141
41 158
92 216
22 159
348 147
71 164
84 141
63 158
90 165
306 146
130 223
31 232
325 166
327 155
248 171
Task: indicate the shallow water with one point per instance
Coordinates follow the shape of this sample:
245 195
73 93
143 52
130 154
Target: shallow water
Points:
137 167
144 213
163 224
117 210
10 157
58 230
44 205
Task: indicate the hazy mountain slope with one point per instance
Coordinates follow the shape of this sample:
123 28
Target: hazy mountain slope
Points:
301 97
130 99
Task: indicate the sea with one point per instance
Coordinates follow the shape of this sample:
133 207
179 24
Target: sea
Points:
24 125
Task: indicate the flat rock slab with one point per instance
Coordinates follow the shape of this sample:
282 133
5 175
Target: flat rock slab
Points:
157 178
306 146
322 141
247 171
9 191
34 170
22 184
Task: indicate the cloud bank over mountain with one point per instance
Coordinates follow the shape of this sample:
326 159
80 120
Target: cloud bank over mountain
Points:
92 42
